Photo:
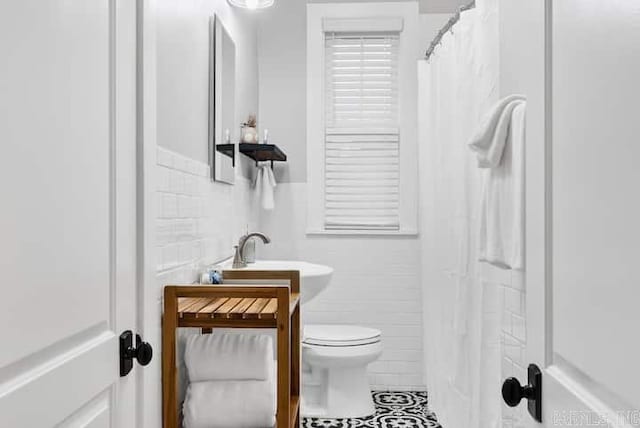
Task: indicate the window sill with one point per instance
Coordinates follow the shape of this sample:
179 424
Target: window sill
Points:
408 233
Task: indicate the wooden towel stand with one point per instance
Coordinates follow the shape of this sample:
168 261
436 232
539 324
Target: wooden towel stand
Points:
237 306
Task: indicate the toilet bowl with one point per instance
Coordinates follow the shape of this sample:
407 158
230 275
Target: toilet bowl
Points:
334 379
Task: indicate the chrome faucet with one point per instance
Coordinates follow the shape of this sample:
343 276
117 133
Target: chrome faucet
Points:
238 259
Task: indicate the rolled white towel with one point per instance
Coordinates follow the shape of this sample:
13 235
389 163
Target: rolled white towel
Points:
222 356
231 403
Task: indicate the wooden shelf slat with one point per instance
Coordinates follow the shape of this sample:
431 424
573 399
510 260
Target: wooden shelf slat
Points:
186 302
270 310
241 307
256 308
223 311
262 308
211 307
195 308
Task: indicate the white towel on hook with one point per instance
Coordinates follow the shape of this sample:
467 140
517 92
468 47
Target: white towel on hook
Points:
265 184
500 147
489 141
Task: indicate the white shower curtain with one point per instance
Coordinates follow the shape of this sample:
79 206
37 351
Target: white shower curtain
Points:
462 311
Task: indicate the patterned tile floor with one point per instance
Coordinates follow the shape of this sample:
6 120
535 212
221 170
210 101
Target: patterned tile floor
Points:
393 410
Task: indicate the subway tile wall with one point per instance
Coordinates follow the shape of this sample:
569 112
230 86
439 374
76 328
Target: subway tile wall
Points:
376 283
198 221
514 342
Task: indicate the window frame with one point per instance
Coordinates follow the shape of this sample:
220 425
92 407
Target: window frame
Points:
358 17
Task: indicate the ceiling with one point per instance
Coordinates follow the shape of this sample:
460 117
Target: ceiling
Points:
426 6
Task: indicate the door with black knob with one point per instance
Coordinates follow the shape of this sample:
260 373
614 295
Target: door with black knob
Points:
69 217
582 210
513 392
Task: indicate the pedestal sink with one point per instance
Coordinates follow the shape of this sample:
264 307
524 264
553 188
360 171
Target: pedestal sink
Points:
313 277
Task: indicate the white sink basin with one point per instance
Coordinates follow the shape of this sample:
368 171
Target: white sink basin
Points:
313 278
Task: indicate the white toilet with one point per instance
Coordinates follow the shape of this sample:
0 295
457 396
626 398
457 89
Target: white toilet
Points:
334 379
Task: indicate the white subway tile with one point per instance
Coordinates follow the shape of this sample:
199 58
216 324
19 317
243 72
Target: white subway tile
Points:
185 205
164 232
519 328
164 157
169 206
513 300
169 256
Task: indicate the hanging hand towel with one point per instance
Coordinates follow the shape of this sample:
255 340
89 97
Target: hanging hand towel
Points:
228 357
501 235
489 142
231 403
265 184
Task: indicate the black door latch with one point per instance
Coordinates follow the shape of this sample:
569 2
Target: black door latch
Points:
513 392
143 352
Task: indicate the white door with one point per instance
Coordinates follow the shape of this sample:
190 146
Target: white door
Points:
583 212
67 211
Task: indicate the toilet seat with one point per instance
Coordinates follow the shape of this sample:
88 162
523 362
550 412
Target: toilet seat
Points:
340 335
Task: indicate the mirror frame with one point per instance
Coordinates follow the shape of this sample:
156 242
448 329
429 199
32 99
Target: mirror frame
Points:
215 27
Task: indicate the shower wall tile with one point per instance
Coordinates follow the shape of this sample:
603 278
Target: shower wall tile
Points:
514 342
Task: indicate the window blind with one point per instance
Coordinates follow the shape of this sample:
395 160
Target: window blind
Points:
362 142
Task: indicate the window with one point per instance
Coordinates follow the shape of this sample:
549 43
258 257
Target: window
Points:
362 142
362 118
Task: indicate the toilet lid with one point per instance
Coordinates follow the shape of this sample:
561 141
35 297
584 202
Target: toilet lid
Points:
340 335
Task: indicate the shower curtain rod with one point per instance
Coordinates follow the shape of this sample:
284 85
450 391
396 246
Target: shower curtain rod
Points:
450 23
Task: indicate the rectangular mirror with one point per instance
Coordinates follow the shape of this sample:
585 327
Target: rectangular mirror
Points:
222 124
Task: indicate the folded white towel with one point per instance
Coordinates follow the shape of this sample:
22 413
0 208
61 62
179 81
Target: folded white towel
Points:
501 237
265 184
228 357
489 141
225 404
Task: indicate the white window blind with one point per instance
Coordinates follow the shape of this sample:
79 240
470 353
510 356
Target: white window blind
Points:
362 142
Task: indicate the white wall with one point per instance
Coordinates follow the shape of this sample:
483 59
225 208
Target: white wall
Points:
441 6
183 72
198 221
282 60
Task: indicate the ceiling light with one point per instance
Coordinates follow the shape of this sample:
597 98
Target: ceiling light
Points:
252 4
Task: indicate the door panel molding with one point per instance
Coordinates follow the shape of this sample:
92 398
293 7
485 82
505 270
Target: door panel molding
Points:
94 414
62 378
587 390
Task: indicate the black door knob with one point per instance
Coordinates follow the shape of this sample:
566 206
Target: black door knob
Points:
513 392
142 352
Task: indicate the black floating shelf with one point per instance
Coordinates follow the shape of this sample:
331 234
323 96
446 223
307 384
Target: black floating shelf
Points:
263 152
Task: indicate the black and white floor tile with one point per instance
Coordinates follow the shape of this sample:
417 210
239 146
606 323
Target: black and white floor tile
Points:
393 410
